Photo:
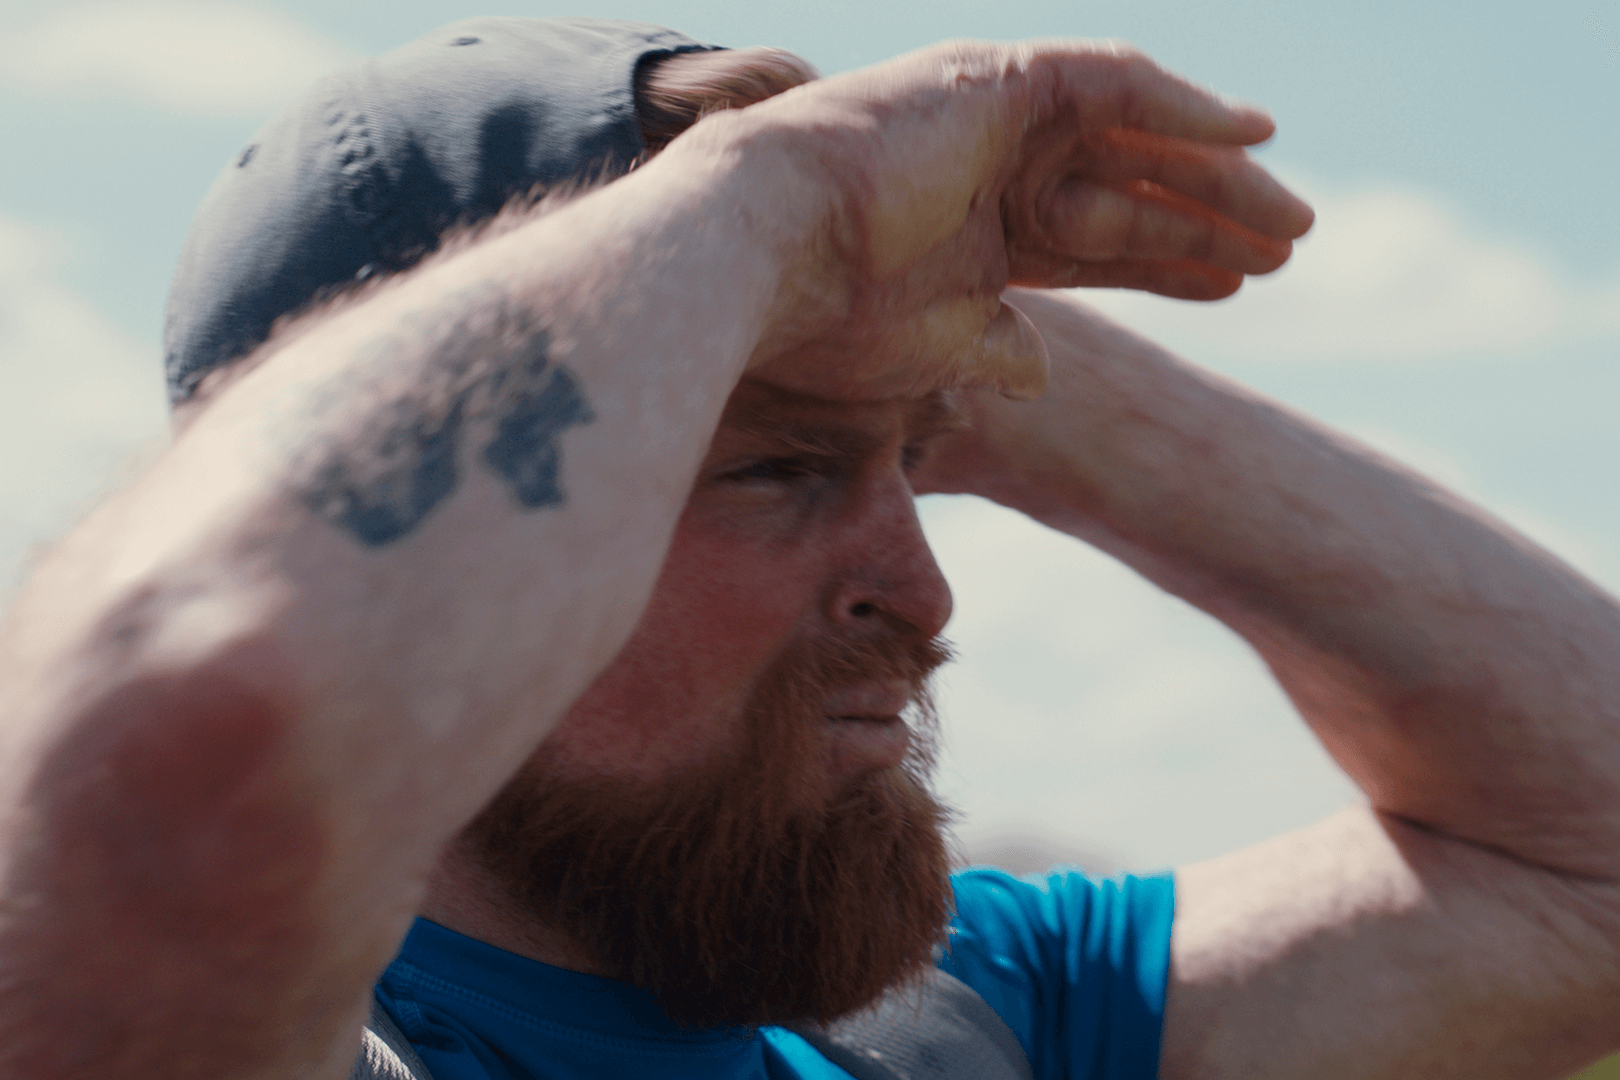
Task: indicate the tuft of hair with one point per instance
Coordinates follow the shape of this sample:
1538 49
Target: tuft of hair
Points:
675 92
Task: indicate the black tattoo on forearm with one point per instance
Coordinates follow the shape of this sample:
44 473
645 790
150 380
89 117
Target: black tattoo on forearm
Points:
412 468
491 375
524 451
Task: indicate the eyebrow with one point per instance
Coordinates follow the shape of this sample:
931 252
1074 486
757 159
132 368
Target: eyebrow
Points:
939 412
936 414
819 438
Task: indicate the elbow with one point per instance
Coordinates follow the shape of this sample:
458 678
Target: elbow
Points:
174 802
163 882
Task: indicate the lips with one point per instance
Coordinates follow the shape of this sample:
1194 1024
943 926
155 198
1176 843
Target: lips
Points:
878 701
865 732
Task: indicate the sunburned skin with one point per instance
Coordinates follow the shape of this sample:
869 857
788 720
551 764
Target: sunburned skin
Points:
800 531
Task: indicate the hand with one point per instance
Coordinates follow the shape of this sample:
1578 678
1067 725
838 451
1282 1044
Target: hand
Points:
1057 449
917 190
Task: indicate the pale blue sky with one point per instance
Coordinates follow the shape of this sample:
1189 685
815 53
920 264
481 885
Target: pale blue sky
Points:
1458 306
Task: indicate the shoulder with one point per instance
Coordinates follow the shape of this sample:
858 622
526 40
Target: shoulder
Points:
1075 965
1108 913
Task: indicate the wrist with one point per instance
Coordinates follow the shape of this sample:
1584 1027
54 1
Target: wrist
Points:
764 186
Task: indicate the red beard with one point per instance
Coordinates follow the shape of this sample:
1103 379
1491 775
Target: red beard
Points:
746 892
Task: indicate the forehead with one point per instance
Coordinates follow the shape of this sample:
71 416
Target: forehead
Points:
760 411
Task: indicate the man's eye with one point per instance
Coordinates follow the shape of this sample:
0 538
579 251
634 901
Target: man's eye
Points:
771 469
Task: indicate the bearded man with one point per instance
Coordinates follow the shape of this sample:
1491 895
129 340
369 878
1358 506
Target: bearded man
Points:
525 642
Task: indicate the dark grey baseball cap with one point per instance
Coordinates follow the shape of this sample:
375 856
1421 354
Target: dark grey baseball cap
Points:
365 173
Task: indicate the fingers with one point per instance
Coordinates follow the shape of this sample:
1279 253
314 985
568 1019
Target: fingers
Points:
1223 178
1095 223
1128 196
1178 279
1109 84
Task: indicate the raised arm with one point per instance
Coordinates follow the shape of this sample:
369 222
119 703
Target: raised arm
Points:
249 699
1467 921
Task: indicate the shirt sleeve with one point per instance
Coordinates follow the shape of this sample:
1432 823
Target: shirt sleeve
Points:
1075 966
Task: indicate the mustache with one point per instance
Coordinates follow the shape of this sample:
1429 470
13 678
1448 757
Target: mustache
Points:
786 717
833 664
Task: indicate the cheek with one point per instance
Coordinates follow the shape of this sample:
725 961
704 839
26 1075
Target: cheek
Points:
725 607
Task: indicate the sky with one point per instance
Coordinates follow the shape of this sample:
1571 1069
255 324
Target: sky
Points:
1457 306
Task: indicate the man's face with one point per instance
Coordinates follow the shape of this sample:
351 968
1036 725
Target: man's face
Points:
736 813
801 532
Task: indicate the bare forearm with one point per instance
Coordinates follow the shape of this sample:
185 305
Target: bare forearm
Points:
1365 948
362 585
1462 925
478 464
1468 680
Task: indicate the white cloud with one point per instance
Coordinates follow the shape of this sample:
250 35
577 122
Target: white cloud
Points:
80 399
1094 714
1393 274
188 55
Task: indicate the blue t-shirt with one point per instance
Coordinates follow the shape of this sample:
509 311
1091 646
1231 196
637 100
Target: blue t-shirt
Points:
1076 968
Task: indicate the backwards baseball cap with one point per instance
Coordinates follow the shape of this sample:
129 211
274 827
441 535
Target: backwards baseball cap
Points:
369 170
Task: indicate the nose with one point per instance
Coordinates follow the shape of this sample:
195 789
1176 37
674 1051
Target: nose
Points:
887 570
